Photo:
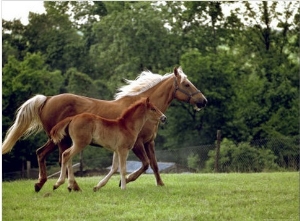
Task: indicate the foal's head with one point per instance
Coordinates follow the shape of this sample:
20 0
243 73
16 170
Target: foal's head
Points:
153 113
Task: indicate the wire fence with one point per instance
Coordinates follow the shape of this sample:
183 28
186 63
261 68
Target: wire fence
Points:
277 154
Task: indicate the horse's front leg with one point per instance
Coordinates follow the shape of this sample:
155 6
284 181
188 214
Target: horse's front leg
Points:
140 152
114 168
150 150
42 153
123 154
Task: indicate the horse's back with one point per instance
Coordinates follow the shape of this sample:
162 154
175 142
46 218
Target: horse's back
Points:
61 106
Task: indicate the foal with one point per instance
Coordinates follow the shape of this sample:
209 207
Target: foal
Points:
117 135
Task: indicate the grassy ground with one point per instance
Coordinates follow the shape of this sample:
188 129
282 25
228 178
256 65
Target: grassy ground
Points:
261 196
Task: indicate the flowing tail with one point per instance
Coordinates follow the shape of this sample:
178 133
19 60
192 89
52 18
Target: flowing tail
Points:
58 132
27 122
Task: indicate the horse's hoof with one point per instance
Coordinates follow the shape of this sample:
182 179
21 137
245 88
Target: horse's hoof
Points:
160 184
95 189
37 187
70 189
76 188
55 187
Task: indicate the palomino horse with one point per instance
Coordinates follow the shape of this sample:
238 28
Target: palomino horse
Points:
41 112
116 135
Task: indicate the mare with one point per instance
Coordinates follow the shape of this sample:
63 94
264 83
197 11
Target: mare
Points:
42 113
117 135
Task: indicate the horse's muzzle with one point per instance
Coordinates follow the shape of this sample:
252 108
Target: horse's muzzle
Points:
201 104
163 119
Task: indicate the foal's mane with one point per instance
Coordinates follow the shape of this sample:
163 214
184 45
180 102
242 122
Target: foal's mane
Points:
133 107
143 82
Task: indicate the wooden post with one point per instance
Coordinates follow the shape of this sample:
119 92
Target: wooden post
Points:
217 151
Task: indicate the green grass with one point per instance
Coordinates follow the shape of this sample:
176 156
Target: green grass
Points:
260 196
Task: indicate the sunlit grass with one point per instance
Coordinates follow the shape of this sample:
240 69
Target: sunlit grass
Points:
261 196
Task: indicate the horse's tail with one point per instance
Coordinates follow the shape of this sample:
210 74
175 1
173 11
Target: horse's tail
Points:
58 132
27 122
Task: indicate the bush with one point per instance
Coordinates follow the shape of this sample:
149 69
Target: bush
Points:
242 158
286 150
193 161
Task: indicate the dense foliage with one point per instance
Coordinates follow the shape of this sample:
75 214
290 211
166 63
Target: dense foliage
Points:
245 62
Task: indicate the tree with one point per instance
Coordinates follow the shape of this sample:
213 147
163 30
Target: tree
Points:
198 128
81 84
22 80
246 64
273 74
130 39
13 41
53 35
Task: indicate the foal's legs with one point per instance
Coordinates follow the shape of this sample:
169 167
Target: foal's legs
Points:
71 178
64 145
66 158
113 169
42 153
123 154
149 147
63 170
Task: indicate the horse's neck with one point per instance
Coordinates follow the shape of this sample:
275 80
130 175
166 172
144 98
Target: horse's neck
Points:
161 95
136 119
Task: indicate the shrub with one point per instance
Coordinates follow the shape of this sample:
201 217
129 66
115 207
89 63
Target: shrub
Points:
242 158
193 161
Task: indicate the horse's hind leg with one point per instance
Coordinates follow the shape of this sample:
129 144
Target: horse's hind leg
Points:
149 147
147 155
42 153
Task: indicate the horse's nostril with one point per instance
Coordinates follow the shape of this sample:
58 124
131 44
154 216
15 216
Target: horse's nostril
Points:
163 119
202 104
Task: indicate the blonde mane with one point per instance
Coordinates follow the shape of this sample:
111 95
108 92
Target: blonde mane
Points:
143 82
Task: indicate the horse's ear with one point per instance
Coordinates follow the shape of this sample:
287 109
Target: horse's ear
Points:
176 71
147 102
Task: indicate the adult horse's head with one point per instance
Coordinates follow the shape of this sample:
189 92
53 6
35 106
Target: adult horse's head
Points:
186 91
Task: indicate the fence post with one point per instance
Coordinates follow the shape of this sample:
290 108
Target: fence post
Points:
217 151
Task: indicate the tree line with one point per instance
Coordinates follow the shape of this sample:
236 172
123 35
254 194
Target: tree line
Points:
246 66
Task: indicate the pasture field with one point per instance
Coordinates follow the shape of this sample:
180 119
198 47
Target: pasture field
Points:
234 196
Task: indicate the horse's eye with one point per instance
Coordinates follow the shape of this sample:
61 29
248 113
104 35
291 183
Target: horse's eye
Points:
187 85
153 109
